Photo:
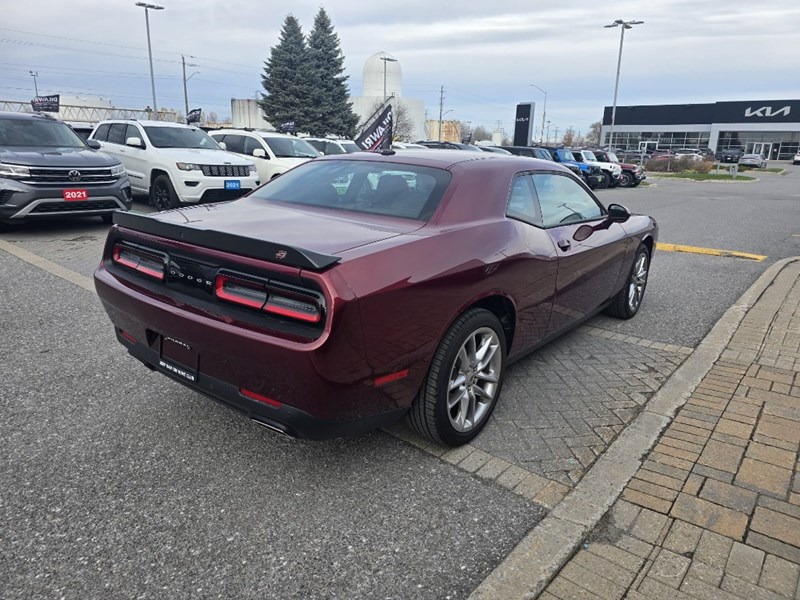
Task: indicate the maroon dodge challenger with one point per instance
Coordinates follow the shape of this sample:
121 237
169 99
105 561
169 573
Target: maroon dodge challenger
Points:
357 289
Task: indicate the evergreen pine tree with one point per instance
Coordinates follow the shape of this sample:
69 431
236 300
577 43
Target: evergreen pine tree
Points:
286 79
330 111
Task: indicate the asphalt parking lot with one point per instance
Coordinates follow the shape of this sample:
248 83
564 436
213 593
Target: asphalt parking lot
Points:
120 483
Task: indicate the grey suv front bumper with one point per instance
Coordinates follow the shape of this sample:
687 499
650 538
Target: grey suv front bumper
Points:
20 201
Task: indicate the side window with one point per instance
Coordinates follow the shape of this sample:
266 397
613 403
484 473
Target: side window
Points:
234 143
132 131
116 135
522 202
101 135
563 200
331 148
251 144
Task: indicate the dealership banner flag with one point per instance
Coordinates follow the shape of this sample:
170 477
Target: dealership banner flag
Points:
194 116
46 103
378 135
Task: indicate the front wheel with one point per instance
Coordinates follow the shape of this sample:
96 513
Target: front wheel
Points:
628 300
162 194
463 381
625 180
604 181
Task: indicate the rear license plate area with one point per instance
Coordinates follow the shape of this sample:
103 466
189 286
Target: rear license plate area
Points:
178 358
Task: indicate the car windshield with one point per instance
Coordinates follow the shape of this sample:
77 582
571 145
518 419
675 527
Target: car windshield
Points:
589 156
38 132
613 157
180 137
375 187
290 147
567 155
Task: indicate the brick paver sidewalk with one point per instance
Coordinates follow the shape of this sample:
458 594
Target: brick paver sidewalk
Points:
714 511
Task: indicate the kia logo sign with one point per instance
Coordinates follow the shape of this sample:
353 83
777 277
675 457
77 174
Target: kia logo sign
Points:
766 111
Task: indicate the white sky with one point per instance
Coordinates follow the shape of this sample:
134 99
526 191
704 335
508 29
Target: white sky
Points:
486 54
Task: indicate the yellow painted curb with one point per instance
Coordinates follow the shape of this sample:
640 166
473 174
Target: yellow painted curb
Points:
709 251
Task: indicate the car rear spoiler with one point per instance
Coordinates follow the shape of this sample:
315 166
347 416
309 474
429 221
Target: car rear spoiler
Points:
227 242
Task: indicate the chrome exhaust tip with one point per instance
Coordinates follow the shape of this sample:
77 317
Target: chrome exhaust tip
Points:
273 428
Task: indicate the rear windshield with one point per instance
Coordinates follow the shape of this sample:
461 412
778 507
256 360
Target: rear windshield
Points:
349 146
38 132
380 188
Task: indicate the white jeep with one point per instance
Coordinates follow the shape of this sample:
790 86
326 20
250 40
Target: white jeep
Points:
175 163
611 170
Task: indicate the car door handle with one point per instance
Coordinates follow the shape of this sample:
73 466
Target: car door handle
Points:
564 244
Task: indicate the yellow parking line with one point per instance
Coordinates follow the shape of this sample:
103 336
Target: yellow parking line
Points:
710 251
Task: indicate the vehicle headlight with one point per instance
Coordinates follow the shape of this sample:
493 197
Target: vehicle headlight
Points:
14 171
118 170
188 166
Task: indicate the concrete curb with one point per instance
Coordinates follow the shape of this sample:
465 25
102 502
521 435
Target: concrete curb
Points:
538 558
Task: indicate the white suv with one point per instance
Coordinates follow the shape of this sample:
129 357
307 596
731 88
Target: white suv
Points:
175 163
274 153
612 171
328 146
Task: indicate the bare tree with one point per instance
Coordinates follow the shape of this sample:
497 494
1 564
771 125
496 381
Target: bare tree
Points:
593 137
569 138
209 118
402 125
480 133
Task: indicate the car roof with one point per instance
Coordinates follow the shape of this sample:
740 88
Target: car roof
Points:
150 123
256 132
447 159
8 114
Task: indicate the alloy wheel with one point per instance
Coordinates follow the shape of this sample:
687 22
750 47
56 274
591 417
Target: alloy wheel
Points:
162 197
637 283
474 379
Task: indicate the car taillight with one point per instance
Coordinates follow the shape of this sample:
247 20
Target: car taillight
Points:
269 297
296 308
240 291
140 261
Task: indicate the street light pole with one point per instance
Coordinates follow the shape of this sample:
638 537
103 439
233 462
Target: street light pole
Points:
35 74
386 59
146 8
544 109
624 25
185 79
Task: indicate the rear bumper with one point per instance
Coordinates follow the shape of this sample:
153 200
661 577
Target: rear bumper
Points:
283 419
311 389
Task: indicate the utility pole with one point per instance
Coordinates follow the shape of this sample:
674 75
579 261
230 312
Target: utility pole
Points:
548 133
35 74
555 140
441 109
185 92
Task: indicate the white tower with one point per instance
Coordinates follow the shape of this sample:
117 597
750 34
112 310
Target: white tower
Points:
373 76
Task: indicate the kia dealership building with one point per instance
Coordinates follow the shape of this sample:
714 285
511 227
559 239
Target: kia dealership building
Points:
767 127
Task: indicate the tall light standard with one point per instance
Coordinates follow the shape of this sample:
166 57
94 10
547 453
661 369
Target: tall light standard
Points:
185 79
147 7
386 59
544 109
35 74
625 25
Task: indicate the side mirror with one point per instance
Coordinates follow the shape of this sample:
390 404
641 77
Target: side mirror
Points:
618 213
223 145
93 144
134 142
259 153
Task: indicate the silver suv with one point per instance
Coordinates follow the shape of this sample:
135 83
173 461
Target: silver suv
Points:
48 171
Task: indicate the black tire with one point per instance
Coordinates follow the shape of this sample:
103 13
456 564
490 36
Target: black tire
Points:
591 182
108 219
628 300
162 194
636 183
625 180
604 181
429 415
